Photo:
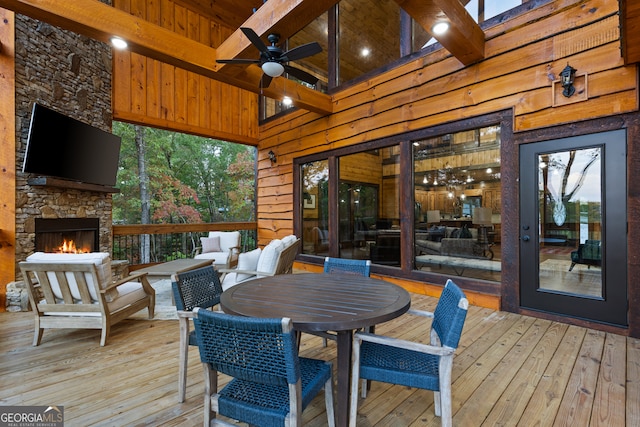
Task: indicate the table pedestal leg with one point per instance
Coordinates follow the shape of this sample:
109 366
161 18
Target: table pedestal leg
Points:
344 377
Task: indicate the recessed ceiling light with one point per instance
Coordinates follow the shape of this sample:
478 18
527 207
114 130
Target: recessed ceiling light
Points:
440 28
365 51
118 43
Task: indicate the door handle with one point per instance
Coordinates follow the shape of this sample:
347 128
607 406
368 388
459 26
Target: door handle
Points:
525 238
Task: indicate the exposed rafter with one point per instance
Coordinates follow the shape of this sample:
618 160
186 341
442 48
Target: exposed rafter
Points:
99 21
464 39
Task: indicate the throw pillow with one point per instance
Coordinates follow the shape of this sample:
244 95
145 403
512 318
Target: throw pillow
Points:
210 244
248 261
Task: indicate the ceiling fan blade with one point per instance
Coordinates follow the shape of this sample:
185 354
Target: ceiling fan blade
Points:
302 51
266 81
238 61
300 75
255 40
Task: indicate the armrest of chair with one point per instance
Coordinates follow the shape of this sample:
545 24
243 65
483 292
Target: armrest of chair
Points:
184 314
196 251
409 345
420 313
250 272
142 277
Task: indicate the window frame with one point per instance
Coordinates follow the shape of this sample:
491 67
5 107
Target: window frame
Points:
504 119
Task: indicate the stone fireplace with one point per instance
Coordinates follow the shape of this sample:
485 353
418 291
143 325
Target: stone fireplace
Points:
71 74
67 235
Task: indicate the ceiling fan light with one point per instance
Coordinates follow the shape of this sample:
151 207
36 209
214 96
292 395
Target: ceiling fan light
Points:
272 69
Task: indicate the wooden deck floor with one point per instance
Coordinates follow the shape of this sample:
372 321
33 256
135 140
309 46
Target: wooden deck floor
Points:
510 370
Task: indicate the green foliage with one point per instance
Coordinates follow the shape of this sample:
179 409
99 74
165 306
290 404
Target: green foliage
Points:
191 179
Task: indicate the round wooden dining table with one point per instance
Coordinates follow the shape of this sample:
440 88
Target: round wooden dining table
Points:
340 303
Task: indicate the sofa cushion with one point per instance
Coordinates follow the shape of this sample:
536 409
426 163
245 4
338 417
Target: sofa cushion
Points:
269 257
228 239
248 261
101 260
289 240
210 244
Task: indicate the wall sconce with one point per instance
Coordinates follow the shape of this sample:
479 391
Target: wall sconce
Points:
272 157
567 77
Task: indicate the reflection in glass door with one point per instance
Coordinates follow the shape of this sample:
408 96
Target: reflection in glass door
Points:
570 206
573 227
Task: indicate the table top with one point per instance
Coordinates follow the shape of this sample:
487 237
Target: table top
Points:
318 302
176 266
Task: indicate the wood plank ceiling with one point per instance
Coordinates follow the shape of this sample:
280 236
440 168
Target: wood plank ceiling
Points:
465 39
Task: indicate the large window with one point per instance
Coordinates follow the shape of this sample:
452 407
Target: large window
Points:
457 203
367 35
368 211
442 216
315 208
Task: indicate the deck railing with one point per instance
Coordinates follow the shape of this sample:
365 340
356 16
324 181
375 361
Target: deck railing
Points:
167 242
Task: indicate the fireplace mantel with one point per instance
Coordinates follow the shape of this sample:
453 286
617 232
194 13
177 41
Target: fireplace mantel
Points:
47 181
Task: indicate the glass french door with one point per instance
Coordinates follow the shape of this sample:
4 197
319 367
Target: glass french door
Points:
573 227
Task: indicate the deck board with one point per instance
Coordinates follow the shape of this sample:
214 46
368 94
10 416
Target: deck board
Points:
509 370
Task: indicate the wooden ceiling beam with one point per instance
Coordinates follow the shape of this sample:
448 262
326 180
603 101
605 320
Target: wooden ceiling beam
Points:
98 21
464 39
283 17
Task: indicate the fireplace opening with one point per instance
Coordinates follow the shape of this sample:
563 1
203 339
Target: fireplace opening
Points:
67 235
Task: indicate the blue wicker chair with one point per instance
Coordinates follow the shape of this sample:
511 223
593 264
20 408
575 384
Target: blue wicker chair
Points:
271 385
359 267
395 361
195 288
347 266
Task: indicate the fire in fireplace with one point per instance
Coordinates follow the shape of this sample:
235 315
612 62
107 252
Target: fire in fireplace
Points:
67 235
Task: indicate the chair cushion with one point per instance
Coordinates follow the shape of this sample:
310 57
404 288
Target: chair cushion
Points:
210 244
269 257
289 240
228 239
219 258
102 261
248 261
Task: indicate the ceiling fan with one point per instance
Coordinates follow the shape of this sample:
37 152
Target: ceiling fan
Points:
273 60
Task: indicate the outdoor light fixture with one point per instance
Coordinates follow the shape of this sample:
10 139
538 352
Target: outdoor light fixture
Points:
272 157
287 101
440 28
567 77
118 43
272 69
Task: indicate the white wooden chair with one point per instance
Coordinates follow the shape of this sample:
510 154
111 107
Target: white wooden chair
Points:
276 258
75 291
221 246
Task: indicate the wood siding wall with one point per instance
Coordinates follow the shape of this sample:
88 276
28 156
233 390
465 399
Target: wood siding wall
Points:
524 55
149 92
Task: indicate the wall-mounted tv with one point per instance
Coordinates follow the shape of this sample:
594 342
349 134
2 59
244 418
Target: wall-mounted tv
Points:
63 147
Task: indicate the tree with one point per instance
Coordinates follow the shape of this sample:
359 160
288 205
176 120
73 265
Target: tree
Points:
192 179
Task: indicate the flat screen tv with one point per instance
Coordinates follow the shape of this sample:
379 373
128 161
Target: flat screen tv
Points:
63 147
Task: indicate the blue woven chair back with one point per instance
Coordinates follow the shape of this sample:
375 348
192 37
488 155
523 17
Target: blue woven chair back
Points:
248 348
197 288
450 314
358 267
